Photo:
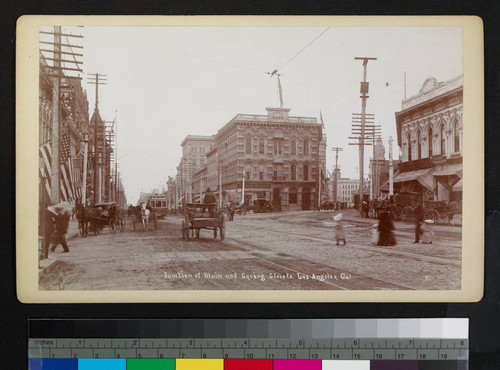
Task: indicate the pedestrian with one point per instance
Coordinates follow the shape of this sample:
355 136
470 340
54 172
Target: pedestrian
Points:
427 232
48 229
419 218
61 218
339 229
375 234
209 198
385 229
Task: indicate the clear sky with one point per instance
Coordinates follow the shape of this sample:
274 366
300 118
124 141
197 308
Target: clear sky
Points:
169 82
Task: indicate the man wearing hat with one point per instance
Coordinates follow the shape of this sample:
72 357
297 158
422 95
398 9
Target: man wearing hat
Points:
61 227
209 199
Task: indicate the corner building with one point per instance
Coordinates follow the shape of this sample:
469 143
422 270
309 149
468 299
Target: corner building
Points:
430 134
281 157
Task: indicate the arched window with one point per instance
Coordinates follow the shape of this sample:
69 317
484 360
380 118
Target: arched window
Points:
429 141
293 172
442 138
409 147
456 137
419 146
306 172
306 146
249 145
293 146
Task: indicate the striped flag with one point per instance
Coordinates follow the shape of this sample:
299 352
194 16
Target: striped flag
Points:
45 154
67 187
69 175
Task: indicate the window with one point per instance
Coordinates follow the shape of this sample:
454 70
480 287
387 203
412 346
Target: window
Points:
293 172
294 146
419 148
456 137
429 141
278 146
441 132
306 146
261 175
261 145
292 196
249 145
306 172
409 147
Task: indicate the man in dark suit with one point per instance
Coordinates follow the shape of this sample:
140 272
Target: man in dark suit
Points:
419 218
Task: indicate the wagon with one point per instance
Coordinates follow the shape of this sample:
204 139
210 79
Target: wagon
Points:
440 211
199 216
106 214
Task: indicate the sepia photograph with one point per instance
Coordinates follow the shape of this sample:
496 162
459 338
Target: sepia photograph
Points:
278 160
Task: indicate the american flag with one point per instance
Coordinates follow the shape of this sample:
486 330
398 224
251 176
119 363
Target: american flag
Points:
69 175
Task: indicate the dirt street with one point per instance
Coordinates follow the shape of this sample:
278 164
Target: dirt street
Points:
283 251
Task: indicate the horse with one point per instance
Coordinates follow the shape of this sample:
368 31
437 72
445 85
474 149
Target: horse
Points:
83 217
145 213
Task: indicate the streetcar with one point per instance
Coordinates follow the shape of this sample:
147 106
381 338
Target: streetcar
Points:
158 206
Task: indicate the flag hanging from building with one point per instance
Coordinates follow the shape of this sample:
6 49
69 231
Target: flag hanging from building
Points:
69 176
45 155
67 188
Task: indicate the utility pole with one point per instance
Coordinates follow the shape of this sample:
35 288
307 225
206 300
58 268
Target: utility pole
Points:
57 70
97 79
364 95
336 172
391 170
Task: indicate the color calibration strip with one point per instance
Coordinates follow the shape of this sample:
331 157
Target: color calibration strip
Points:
219 364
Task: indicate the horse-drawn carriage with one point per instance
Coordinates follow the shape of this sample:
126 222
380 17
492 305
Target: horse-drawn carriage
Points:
99 216
403 209
199 216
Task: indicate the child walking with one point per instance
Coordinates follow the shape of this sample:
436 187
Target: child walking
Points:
339 229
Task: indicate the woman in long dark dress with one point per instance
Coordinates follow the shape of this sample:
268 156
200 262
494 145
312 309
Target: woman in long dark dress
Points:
385 228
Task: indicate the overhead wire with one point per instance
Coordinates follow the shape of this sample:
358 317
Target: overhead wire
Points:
304 48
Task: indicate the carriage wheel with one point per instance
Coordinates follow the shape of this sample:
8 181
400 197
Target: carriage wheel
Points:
197 233
112 226
431 214
407 214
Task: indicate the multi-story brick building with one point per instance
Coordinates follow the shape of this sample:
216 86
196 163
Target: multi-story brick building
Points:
429 128
281 157
194 156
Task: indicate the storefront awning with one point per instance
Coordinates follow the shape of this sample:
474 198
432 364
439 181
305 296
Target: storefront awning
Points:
448 170
457 186
424 177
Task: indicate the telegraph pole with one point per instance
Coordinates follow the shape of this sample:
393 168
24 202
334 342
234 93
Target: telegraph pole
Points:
57 70
364 96
336 172
391 169
97 79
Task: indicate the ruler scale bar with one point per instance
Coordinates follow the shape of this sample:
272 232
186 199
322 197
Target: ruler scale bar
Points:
264 348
